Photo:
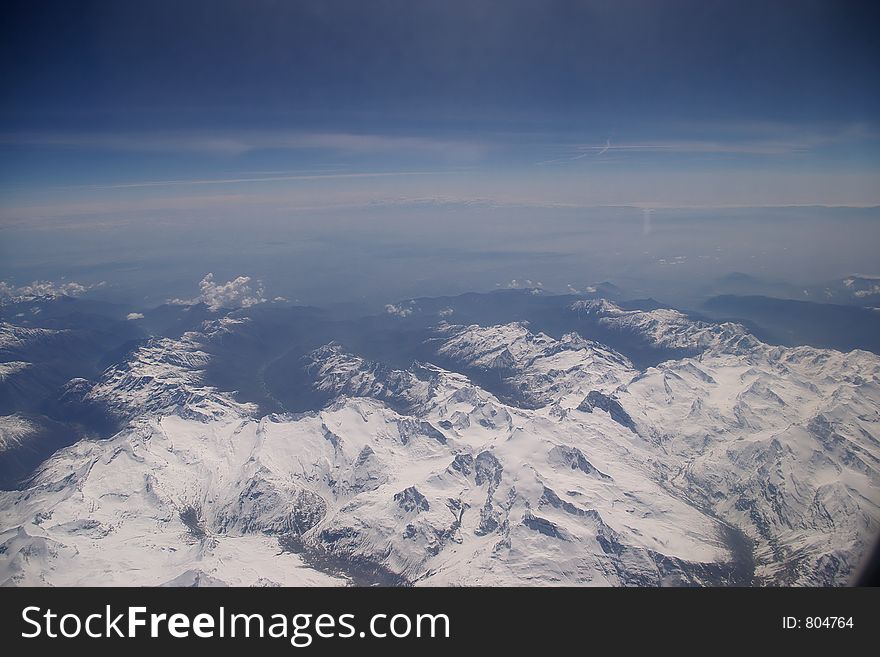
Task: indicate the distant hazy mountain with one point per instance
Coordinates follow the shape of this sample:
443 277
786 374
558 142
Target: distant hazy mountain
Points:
857 289
791 322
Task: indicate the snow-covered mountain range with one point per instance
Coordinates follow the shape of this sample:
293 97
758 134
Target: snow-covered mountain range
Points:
505 457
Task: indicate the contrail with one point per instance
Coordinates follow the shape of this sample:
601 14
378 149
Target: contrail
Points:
584 151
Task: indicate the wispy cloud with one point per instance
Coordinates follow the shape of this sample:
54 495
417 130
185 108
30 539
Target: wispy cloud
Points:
580 151
749 139
238 143
261 179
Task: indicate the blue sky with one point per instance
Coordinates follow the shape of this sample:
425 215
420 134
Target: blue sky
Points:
375 150
116 107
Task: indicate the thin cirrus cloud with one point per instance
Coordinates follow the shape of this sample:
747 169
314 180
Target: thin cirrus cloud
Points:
772 140
494 168
469 150
247 142
683 147
261 179
670 189
460 149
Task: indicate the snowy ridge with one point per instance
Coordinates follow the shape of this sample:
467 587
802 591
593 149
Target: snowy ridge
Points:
745 463
166 375
12 368
15 338
784 445
542 369
335 371
14 431
487 502
669 328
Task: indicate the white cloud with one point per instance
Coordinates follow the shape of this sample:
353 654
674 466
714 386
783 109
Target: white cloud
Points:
874 289
587 289
44 289
401 310
236 293
133 316
522 284
445 312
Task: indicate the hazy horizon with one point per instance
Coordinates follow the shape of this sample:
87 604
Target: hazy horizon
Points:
367 152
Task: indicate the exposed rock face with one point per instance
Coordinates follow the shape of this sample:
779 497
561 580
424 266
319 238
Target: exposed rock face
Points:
597 400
